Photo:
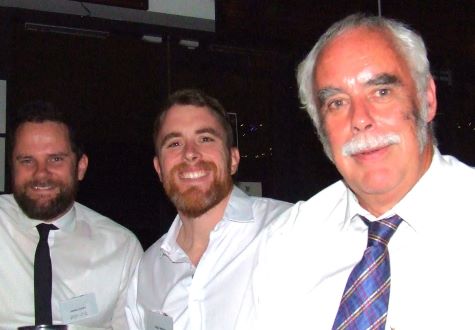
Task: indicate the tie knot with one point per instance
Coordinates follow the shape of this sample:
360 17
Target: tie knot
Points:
380 232
44 228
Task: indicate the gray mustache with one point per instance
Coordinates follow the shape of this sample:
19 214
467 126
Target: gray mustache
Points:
365 142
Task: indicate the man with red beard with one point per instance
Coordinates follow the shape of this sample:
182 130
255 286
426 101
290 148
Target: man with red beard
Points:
92 257
194 276
367 86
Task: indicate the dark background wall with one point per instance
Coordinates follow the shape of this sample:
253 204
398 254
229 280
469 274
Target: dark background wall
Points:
113 86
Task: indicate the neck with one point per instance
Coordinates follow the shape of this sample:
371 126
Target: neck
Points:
193 236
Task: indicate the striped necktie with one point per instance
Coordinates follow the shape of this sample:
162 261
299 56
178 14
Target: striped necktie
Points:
364 304
43 276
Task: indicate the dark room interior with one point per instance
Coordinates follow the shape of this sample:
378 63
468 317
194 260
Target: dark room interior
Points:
113 83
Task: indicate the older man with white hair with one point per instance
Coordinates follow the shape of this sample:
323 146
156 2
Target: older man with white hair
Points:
367 87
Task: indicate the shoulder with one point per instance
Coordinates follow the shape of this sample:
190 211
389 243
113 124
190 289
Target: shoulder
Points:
102 225
272 207
452 164
9 209
450 173
449 182
299 235
321 214
7 202
154 252
243 208
326 200
315 211
152 259
266 210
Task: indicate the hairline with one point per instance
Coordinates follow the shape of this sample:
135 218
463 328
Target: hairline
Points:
406 43
198 99
48 114
388 27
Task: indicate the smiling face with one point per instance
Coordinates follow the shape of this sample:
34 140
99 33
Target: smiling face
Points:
369 109
45 170
193 161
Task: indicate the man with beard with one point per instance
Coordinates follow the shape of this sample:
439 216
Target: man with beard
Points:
195 275
367 86
92 257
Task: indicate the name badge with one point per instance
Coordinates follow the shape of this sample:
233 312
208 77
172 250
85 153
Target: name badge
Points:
78 308
158 321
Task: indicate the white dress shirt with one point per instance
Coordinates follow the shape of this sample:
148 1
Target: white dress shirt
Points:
208 296
305 260
90 255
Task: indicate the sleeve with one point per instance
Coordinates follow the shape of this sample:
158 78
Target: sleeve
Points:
133 311
134 252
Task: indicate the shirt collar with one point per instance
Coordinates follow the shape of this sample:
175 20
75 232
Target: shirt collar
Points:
239 209
410 208
355 210
170 247
65 222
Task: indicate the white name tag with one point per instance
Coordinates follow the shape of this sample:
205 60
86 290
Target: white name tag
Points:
78 308
158 321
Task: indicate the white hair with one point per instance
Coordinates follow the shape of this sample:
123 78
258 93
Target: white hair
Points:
409 44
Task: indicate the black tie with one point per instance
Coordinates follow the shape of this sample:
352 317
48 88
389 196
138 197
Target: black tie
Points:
43 276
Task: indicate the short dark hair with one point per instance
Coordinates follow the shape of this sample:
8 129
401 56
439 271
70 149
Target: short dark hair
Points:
40 111
196 98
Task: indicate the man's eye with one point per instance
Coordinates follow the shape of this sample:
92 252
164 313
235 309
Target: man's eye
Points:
173 144
206 139
56 159
383 92
25 161
335 104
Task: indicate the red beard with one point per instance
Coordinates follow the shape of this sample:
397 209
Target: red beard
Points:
195 201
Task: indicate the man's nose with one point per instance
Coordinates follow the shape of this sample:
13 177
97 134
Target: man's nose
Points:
191 152
41 169
362 118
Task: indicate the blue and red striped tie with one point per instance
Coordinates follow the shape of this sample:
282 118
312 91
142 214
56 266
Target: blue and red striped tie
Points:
364 304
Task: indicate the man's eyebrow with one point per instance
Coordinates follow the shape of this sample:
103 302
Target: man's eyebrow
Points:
54 154
384 79
173 135
325 93
168 137
209 130
60 154
22 156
